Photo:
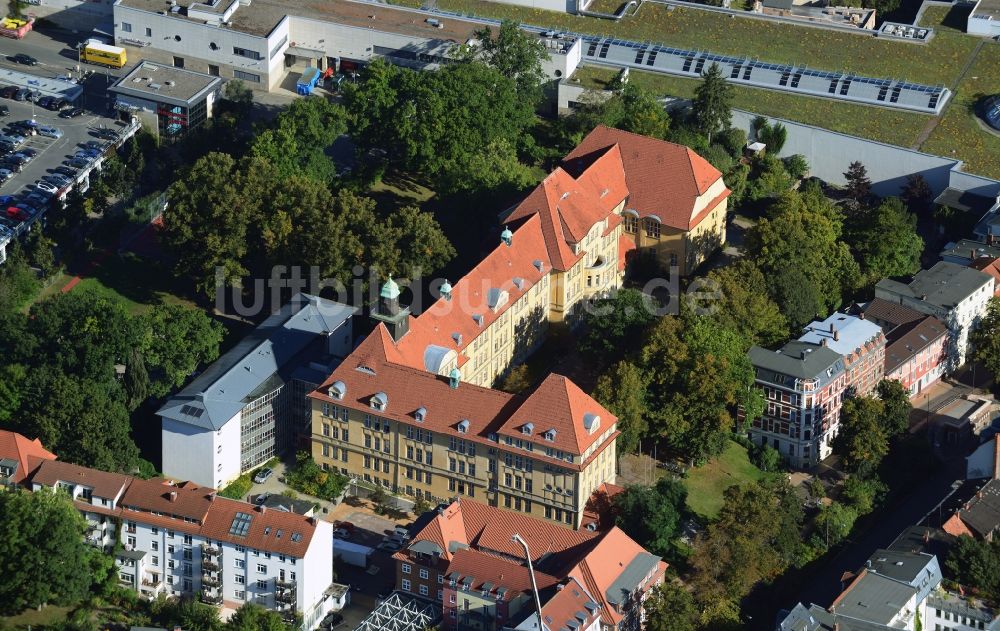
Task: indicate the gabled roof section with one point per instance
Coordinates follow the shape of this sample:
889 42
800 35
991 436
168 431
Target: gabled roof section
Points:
572 607
259 527
102 483
223 389
664 179
484 572
156 495
28 454
454 324
569 207
559 404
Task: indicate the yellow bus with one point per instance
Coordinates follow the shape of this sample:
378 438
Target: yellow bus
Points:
103 55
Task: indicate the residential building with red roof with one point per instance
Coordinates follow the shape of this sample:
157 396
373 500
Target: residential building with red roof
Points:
182 539
19 457
916 351
466 559
426 436
991 266
676 208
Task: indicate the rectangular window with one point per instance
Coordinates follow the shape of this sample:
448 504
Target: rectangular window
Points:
407 568
149 32
126 27
243 52
240 579
424 574
262 583
248 76
240 594
406 584
261 568
240 563
423 590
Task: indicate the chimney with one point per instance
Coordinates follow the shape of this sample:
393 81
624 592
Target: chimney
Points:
211 496
262 509
832 328
823 343
836 336
173 496
861 316
802 354
311 520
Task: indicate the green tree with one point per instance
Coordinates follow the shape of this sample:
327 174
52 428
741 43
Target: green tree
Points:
799 251
976 564
862 440
622 390
177 340
917 194
518 380
796 166
41 252
859 186
744 304
514 54
12 393
419 240
652 515
42 554
896 407
135 380
670 607
774 136
863 494
639 111
713 102
205 223
719 158
754 539
734 140
985 338
18 282
770 179
616 324
239 94
253 617
833 523
886 243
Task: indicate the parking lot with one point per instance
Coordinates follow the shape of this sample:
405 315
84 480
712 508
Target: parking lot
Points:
50 153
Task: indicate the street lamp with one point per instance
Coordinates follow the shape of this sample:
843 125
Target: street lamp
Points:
531 572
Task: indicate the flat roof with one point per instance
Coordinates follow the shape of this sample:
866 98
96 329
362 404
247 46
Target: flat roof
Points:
166 84
843 333
261 16
963 200
988 7
48 86
944 285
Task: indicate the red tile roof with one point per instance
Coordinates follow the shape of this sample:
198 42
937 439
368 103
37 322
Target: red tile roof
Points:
102 484
162 496
27 453
488 529
906 340
599 507
559 404
664 179
569 207
485 568
991 266
560 612
890 313
449 324
276 531
605 563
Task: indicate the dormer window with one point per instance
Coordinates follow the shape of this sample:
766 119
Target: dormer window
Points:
337 390
591 422
550 435
527 429
379 401
420 414
463 426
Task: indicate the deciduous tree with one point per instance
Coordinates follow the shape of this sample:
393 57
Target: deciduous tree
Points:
885 242
862 440
515 54
896 407
651 515
253 617
622 390
744 304
43 558
985 338
670 607
177 340
616 324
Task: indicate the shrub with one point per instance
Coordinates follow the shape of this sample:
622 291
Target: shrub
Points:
238 488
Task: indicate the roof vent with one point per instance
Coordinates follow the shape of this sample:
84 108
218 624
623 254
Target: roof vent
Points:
169 84
154 86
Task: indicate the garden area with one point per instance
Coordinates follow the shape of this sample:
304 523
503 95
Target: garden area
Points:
707 483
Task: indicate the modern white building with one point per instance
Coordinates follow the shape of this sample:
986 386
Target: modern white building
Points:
984 19
264 41
954 294
241 411
170 101
185 540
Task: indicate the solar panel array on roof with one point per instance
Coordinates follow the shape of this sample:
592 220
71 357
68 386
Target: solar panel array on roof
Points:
241 525
799 79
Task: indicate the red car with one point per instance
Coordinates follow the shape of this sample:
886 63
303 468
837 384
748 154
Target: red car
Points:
16 213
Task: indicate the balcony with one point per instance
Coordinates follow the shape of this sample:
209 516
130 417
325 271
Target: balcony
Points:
210 580
211 599
153 581
209 566
285 597
284 585
210 551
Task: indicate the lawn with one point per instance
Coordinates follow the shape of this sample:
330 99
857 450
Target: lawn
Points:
937 62
961 133
875 123
50 615
706 484
136 282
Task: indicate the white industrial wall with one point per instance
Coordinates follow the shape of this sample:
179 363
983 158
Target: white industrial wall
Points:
339 40
203 456
194 45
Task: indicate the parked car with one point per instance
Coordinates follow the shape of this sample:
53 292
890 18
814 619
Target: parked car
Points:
48 187
8 91
37 200
49 132
68 172
58 180
402 532
331 621
21 94
93 144
260 499
4 110
30 209
17 214
12 139
56 104
19 158
346 525
25 158
11 165
263 475
340 533
44 101
106 133
390 546
72 112
78 163
23 125
5 174
28 151
27 60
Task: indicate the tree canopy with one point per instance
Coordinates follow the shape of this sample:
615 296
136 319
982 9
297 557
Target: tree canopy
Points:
862 440
985 338
651 515
744 304
622 390
713 101
42 554
514 54
885 242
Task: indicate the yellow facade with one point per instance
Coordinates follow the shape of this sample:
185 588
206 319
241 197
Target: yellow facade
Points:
416 462
687 249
